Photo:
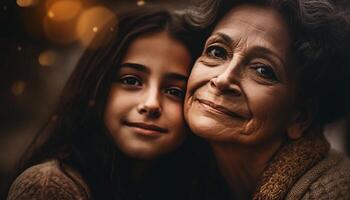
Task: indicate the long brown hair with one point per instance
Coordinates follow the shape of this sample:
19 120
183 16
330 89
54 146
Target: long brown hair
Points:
76 135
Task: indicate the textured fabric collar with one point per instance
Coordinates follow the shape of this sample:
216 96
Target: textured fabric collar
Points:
289 164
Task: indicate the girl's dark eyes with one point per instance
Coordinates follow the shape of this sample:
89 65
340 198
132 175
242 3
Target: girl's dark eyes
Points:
130 80
265 72
216 52
176 92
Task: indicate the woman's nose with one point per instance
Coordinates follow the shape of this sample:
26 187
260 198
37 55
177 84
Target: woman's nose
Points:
226 82
150 105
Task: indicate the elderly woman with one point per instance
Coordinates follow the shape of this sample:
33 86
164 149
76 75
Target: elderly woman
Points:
272 74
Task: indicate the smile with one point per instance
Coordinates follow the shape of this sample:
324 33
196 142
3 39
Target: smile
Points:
212 107
146 129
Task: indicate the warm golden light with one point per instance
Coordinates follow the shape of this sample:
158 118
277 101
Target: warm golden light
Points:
141 2
26 3
18 88
64 10
61 18
60 32
91 21
47 58
51 14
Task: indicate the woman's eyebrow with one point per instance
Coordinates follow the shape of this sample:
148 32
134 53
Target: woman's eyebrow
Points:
176 76
136 66
221 36
267 52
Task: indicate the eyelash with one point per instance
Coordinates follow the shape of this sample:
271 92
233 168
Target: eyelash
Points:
125 80
179 93
211 54
269 72
137 83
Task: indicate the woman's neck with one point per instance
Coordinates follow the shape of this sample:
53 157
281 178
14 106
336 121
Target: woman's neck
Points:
242 166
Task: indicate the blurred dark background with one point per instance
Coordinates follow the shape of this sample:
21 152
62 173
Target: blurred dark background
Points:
40 43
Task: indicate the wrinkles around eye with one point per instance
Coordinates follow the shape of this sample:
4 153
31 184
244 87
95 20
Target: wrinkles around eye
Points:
265 73
216 52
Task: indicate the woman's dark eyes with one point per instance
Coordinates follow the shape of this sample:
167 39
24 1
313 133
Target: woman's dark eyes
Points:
265 72
176 92
216 52
130 80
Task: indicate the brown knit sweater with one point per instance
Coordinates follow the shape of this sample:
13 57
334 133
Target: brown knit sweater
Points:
306 169
303 169
47 181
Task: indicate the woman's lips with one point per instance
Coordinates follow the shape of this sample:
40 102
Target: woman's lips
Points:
146 129
219 109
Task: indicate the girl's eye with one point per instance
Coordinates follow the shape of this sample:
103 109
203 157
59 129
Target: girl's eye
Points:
176 92
216 52
266 72
130 80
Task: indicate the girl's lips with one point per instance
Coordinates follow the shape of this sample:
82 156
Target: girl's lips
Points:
146 129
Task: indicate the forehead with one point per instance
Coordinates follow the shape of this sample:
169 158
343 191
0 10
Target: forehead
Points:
159 51
256 24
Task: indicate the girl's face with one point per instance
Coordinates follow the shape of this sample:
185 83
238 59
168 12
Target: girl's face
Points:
144 113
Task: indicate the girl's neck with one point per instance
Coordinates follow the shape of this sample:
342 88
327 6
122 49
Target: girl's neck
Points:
139 169
242 165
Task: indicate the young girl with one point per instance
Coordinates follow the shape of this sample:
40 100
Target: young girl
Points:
120 112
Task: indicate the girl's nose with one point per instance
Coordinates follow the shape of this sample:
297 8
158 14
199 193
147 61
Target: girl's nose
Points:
150 106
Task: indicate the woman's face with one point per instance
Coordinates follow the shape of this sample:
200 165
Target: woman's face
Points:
242 88
144 110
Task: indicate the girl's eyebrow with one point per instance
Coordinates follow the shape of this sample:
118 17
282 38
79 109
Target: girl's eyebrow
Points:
136 66
142 68
176 76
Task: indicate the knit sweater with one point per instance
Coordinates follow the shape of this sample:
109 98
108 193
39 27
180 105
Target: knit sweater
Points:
306 169
48 181
329 179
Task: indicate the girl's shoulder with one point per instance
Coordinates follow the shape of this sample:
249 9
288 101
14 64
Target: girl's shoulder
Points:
47 181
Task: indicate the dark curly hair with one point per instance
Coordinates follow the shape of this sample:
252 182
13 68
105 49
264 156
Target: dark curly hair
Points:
321 42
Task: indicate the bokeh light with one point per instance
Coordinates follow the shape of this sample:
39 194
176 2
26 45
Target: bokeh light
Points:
140 2
47 58
18 88
64 10
60 20
90 21
95 29
26 3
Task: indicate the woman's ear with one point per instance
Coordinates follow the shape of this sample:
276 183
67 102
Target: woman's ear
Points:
301 120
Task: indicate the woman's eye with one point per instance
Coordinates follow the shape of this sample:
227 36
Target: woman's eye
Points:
216 52
130 80
177 92
266 72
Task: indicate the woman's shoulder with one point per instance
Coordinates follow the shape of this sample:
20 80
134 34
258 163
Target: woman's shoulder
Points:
329 179
49 181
